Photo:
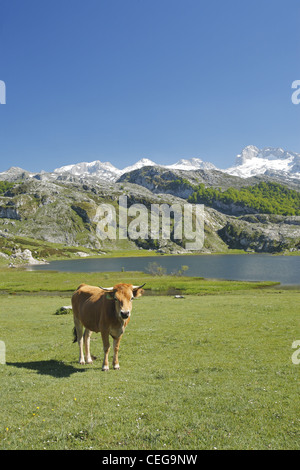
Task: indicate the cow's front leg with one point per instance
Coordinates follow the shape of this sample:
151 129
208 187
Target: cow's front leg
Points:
106 348
116 364
87 338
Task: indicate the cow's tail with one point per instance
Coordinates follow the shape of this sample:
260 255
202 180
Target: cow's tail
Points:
74 334
74 308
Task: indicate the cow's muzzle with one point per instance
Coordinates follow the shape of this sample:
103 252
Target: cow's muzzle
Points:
124 315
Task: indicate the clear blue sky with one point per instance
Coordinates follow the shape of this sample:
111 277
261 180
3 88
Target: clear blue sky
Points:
119 80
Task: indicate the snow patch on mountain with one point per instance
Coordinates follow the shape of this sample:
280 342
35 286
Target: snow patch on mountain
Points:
140 164
191 164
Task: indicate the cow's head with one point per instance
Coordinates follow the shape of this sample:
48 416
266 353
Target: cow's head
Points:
123 294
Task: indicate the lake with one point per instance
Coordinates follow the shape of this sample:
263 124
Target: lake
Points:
248 267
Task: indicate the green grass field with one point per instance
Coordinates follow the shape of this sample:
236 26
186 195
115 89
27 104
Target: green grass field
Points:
203 372
18 281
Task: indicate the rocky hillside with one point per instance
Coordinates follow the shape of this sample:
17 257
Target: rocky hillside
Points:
57 213
64 213
182 182
256 232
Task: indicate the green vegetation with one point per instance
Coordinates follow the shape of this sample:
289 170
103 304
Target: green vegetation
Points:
267 198
214 373
5 185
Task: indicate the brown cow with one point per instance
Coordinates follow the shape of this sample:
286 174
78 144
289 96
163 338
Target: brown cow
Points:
104 310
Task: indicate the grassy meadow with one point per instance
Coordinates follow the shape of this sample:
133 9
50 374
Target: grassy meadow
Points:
20 281
211 371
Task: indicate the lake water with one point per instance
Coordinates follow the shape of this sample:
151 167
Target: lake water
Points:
252 267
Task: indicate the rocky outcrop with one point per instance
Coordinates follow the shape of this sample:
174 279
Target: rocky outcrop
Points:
159 180
8 212
262 233
20 257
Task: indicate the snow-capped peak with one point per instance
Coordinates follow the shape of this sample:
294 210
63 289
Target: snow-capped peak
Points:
247 153
103 170
253 161
86 167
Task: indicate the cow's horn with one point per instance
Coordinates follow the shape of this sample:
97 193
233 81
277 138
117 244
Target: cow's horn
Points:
138 287
108 289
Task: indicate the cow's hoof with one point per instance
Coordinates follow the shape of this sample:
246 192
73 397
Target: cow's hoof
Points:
105 368
117 367
89 362
82 362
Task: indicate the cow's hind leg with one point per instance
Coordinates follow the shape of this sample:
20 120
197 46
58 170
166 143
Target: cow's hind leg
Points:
79 335
106 348
87 338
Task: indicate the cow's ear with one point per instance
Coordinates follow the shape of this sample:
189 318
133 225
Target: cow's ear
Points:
110 295
137 292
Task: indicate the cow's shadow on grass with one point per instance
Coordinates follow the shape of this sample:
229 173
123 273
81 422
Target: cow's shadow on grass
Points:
52 367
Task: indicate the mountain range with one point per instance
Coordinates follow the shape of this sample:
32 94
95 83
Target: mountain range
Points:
40 210
109 172
252 161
